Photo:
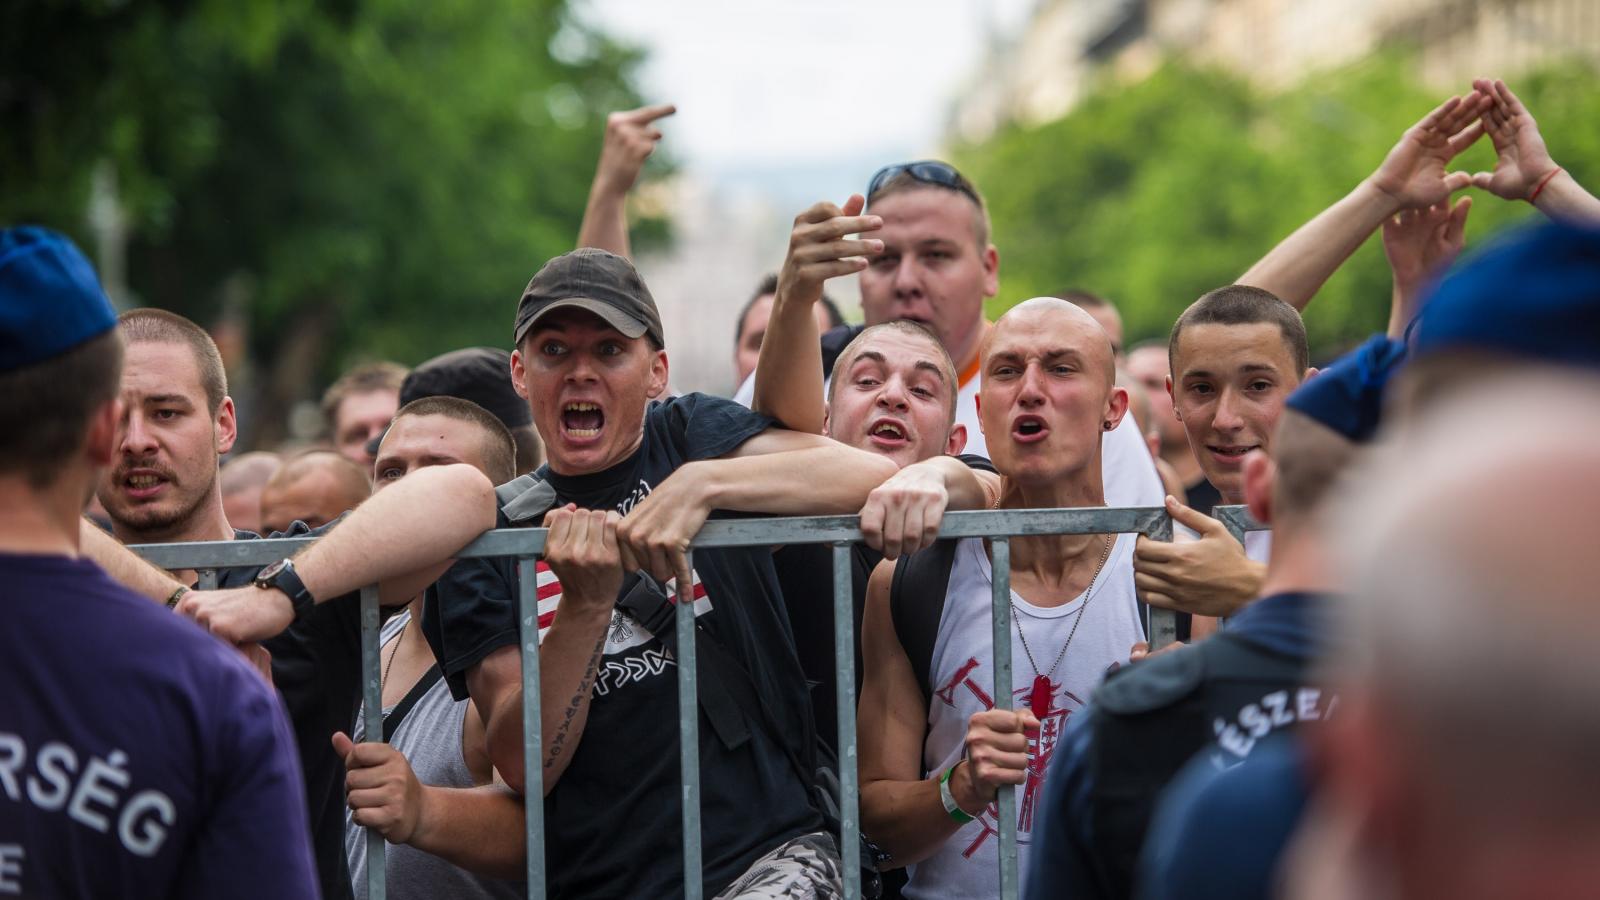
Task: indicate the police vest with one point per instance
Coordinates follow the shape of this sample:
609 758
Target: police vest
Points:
1221 697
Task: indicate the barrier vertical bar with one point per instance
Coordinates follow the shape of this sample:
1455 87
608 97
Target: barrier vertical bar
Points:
1162 624
206 579
532 736
689 738
1000 565
372 725
844 662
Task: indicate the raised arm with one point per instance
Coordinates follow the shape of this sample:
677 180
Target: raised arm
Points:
1412 175
1523 169
401 538
630 139
788 383
1420 243
900 809
779 472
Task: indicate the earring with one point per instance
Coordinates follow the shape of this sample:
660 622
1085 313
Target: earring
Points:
1106 425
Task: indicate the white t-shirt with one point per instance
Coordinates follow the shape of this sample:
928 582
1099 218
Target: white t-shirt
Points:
962 678
1127 471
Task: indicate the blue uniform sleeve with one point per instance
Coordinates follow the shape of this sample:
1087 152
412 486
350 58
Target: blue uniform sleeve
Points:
1061 862
254 840
1220 834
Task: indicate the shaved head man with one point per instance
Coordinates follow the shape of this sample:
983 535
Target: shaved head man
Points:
1461 764
242 479
315 487
934 754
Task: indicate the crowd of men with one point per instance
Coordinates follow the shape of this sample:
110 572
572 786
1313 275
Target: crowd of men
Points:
1387 692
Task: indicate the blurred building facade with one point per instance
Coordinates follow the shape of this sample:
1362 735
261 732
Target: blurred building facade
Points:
1070 46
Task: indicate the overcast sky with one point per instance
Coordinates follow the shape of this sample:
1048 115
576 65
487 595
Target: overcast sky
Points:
806 97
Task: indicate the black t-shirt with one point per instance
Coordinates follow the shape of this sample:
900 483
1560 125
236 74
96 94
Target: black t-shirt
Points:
316 666
612 823
805 573
1202 495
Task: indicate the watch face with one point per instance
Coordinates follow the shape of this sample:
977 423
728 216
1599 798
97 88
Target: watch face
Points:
265 576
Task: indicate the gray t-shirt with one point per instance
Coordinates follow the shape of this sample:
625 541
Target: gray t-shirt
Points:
430 739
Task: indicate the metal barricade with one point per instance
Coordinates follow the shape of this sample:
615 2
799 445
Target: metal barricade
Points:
527 544
1238 521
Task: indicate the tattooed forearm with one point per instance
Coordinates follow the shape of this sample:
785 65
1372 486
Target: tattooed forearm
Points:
585 685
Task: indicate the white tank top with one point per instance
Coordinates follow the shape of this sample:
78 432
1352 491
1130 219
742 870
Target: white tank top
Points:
962 677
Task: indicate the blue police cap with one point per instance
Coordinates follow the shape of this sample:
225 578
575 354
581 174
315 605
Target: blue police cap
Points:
1533 294
1347 395
50 299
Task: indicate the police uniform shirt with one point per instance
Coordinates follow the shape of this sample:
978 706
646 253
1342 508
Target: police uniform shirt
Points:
1219 699
139 756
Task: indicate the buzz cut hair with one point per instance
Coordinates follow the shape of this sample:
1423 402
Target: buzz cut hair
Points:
499 448
158 326
941 356
46 408
904 181
363 379
1241 304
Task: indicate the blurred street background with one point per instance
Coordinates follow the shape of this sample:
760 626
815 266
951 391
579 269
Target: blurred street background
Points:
321 183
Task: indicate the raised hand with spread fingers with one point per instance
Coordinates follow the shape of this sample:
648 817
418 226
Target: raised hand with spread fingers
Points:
1523 167
1420 243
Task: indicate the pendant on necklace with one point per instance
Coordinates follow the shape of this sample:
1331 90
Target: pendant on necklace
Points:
1039 697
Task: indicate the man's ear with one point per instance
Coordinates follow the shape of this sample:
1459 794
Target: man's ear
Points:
658 375
1260 474
957 441
1116 407
991 271
977 406
1176 413
519 373
1152 440
104 433
226 426
1309 372
827 418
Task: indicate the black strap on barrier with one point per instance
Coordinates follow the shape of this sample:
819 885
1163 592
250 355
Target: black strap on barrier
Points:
645 599
392 721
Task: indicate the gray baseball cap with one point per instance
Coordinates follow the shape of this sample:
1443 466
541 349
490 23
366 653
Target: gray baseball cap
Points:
596 281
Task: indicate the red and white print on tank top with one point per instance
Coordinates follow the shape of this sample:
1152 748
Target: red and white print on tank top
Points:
961 674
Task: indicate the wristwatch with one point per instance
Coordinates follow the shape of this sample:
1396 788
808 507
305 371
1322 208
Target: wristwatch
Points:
281 575
951 808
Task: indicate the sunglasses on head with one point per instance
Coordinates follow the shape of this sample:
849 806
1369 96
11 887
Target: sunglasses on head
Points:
927 171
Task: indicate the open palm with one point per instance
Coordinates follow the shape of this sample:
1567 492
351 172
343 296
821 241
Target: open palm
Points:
1521 160
1414 173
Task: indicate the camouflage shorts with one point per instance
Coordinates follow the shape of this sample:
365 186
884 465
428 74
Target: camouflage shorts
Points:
806 868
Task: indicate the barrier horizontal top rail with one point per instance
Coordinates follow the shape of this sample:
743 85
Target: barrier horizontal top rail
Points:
1151 521
840 531
1237 519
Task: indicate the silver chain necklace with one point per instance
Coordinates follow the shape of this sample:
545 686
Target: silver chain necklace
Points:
1078 619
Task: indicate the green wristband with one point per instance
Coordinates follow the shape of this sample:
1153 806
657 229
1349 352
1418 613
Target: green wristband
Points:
951 809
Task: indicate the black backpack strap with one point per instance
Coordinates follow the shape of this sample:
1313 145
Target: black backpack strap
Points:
645 599
916 604
411 699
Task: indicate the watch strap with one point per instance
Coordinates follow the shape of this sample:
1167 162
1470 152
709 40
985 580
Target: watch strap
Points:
286 579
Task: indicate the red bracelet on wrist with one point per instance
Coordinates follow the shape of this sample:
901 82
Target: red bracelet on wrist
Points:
1534 197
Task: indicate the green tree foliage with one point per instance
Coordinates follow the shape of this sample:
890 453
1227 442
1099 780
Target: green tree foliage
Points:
1155 192
379 177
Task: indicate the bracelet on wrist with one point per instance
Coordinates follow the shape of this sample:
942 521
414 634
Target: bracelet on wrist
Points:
951 808
1534 197
172 600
